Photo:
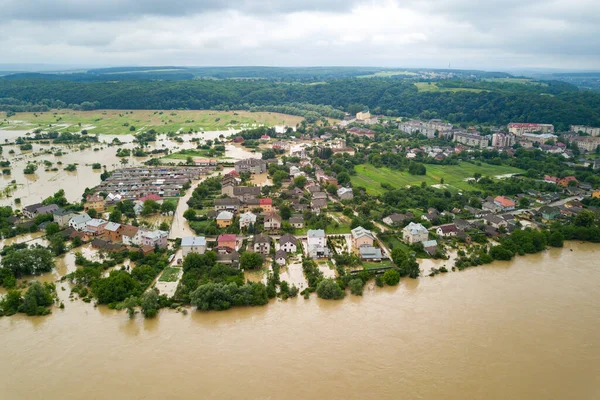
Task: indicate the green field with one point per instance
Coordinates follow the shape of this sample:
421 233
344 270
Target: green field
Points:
119 122
432 87
454 176
184 154
170 274
387 74
524 81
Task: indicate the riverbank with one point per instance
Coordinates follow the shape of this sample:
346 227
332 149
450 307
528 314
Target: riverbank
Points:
519 329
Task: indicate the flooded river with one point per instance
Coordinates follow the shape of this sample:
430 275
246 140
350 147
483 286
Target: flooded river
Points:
526 329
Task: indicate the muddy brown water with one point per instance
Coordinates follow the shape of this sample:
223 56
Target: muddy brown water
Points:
526 329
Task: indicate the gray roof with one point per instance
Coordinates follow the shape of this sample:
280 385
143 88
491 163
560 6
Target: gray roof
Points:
287 239
81 218
262 239
112 226
370 252
280 254
193 241
315 233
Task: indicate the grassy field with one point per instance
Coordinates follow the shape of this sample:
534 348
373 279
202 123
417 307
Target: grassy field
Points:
454 176
432 87
387 74
119 122
524 81
170 274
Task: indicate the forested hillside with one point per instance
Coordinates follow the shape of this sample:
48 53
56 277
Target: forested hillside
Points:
481 102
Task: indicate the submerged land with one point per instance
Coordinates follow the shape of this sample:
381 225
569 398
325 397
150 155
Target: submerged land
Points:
148 209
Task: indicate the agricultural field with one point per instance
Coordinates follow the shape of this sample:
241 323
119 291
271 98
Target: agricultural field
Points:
432 87
454 176
170 274
122 122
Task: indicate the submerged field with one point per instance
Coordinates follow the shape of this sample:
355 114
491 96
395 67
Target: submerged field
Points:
121 122
454 176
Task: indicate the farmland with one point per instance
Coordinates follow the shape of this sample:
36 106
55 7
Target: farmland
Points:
454 176
432 87
122 122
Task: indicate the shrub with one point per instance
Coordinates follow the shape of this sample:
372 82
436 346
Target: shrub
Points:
391 277
329 289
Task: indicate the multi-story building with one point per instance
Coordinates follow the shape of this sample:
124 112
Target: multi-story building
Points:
262 244
288 243
521 128
317 243
193 244
503 140
471 139
361 237
415 233
251 165
247 219
586 129
532 139
586 143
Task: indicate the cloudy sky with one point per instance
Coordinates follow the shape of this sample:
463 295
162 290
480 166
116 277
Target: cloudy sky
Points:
486 34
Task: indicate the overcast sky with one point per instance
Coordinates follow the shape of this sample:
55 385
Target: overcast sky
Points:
485 34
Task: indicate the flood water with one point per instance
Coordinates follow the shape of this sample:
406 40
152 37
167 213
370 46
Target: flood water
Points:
34 188
526 329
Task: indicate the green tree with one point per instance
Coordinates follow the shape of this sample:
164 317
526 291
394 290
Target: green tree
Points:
57 244
330 290
30 169
149 303
168 206
190 214
115 215
10 303
356 286
52 228
399 256
585 218
150 207
36 299
279 176
130 304
391 277
331 188
556 239
251 260
300 181
28 261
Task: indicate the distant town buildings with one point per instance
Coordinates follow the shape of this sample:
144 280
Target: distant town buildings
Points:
251 165
521 128
471 139
502 140
593 131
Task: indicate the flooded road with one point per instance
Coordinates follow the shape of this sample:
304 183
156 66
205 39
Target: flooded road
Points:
526 329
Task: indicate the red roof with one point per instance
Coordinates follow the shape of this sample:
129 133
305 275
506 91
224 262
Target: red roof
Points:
504 202
266 202
233 172
152 196
227 237
550 178
524 125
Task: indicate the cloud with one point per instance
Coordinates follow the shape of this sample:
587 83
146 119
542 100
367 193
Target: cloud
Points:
425 33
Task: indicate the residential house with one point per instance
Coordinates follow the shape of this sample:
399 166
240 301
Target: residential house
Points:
193 244
415 233
448 230
227 204
262 244
49 209
251 165
247 219
345 193
495 221
227 240
549 213
394 219
361 237
596 194
475 212
224 219
319 195
151 196
155 238
95 202
370 253
112 231
297 221
231 257
288 243
430 247
505 203
462 225
128 234
280 257
317 243
564 182
272 221
316 205
228 185
245 193
62 217
96 226
138 208
30 211
266 204
491 206
362 132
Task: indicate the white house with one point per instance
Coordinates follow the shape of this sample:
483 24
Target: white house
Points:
415 233
345 193
79 222
280 257
317 243
193 244
247 219
287 243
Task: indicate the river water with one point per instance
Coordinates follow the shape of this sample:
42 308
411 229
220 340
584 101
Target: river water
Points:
526 329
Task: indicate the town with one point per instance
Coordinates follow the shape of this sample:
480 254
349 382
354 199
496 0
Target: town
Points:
334 204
